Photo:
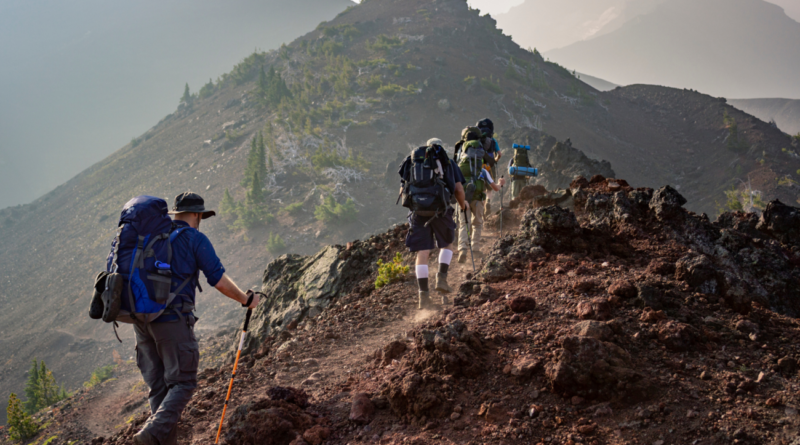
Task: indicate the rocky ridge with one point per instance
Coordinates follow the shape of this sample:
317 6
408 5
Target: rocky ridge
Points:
626 320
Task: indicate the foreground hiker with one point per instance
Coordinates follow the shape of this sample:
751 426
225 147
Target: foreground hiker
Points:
150 281
478 180
429 179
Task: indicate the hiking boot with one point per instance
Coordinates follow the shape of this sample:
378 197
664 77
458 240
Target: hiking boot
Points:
144 438
96 307
441 284
172 439
425 300
112 297
488 208
462 257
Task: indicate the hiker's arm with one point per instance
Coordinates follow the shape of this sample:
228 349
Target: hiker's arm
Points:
496 185
460 196
228 288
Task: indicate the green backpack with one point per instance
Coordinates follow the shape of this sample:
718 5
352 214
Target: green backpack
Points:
470 161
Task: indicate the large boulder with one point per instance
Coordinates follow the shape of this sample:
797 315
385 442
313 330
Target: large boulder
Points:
592 368
782 222
667 203
699 272
303 286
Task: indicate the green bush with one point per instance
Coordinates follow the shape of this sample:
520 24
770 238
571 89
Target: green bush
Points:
246 69
20 425
294 209
100 375
489 85
391 272
384 43
390 90
275 244
346 31
207 90
331 212
331 48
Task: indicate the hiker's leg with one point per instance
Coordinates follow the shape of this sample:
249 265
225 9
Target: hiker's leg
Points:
180 353
148 360
477 226
422 269
445 230
516 187
462 229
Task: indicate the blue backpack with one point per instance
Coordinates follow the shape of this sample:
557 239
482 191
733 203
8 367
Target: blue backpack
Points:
141 256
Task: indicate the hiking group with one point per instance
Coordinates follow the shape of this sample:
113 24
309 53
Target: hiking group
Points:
151 276
431 182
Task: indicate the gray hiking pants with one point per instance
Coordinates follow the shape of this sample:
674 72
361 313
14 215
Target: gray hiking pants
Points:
167 355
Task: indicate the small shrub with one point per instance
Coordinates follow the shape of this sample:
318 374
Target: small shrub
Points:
100 375
332 48
390 90
331 212
275 244
20 425
345 122
469 79
294 209
135 142
391 272
489 85
384 43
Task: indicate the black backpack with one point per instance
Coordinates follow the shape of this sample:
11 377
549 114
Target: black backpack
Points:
425 191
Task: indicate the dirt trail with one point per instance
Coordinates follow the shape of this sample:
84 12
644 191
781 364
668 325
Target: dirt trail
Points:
340 359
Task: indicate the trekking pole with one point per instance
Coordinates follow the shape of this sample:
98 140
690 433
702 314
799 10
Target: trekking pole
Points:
233 375
501 209
467 222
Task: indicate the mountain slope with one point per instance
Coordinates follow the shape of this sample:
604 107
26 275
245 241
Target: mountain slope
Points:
785 112
731 48
381 77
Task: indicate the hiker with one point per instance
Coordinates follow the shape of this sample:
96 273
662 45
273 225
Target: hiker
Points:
167 353
492 149
473 167
429 178
520 159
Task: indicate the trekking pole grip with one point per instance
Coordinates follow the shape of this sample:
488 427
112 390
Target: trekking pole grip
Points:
247 319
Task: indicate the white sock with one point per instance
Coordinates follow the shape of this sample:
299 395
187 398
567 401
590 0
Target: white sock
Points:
422 271
445 256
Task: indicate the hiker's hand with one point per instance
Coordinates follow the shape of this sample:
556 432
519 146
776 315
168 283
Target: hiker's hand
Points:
501 181
464 206
256 298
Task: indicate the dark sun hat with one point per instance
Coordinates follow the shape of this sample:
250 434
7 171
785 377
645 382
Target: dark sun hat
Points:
191 203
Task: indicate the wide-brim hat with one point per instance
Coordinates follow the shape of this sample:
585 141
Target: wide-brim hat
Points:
191 203
435 141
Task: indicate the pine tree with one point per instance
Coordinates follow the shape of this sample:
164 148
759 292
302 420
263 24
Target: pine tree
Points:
32 393
20 425
187 95
271 166
41 388
261 157
228 205
255 196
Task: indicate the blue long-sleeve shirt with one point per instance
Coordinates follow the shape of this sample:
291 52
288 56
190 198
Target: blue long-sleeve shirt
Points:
191 252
